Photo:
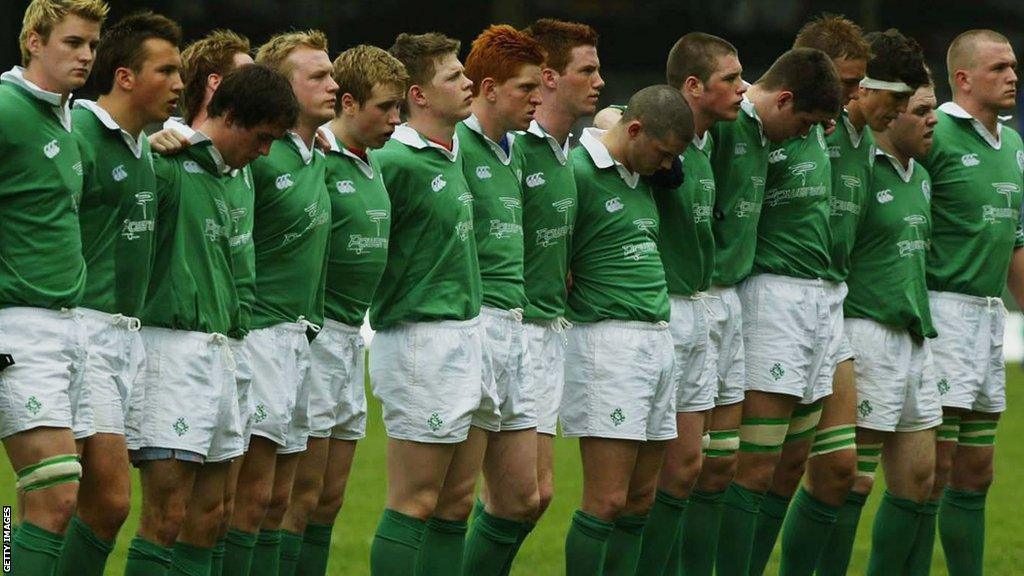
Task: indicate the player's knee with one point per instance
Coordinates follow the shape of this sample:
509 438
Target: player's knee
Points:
545 494
278 505
787 476
639 501
57 505
842 471
717 473
105 513
607 506
330 502
975 475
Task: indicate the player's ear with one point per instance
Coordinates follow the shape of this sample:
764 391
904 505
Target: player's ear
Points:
212 82
634 128
783 98
348 104
417 96
488 89
549 78
693 87
124 78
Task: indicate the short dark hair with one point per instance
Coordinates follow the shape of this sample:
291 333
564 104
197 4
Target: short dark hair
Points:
695 54
558 38
255 94
896 58
812 78
835 35
419 53
663 112
121 45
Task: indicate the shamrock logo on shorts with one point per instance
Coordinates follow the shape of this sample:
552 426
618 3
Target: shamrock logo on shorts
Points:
261 414
33 405
435 422
618 417
777 371
865 409
180 427
943 386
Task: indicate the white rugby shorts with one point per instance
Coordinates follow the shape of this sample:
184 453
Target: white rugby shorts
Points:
695 379
507 361
279 359
114 359
726 352
547 343
970 369
337 394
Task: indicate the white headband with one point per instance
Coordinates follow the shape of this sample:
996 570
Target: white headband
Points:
869 82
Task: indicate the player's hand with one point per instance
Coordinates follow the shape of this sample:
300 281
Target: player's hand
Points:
167 142
829 126
321 142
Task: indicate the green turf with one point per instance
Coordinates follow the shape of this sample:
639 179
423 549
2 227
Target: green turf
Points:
542 553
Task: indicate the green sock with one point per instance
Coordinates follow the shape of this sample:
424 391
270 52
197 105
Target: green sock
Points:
238 549
189 560
766 532
920 562
661 534
805 533
84 553
700 530
395 544
35 551
962 530
316 548
736 536
266 556
585 545
147 558
623 550
835 557
524 533
489 544
217 558
441 551
291 549
893 534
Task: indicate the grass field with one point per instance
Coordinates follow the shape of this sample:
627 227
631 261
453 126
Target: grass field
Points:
542 553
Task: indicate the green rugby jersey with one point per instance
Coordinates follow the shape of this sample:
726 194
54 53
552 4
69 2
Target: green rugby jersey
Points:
117 212
740 164
291 232
616 269
493 176
793 236
432 271
852 155
976 201
549 214
41 263
360 226
686 242
887 271
192 286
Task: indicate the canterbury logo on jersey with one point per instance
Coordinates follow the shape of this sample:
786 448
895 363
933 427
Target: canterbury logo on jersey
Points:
191 166
613 205
926 189
284 181
438 183
119 173
51 149
970 159
483 172
834 152
776 156
884 196
78 169
534 180
346 187
740 149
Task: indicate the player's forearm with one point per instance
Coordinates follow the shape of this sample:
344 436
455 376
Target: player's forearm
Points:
1015 279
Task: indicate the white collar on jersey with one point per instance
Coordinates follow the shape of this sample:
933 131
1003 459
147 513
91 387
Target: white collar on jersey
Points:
700 141
957 111
904 174
855 135
473 123
748 106
561 150
591 142
413 139
62 110
134 144
337 148
218 158
305 152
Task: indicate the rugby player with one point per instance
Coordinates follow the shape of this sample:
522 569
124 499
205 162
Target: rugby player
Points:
177 414
619 396
42 274
888 322
975 165
426 364
371 87
137 74
505 67
291 232
800 89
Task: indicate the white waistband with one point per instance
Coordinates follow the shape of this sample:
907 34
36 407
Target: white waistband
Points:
984 301
515 314
32 313
335 326
131 323
628 324
813 282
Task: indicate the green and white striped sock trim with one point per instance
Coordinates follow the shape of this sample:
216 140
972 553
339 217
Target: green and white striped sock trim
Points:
764 435
978 433
805 420
834 439
49 472
949 430
868 457
722 443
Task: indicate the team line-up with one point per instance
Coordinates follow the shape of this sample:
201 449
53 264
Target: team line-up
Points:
741 298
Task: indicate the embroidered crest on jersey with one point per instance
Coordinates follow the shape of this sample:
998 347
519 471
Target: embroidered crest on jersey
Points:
51 149
908 247
613 205
191 166
119 173
438 183
1007 189
483 172
777 155
549 236
970 159
78 169
801 170
345 187
884 196
534 180
131 229
283 181
361 244
1020 159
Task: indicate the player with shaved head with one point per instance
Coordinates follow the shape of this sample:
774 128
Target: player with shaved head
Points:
976 166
